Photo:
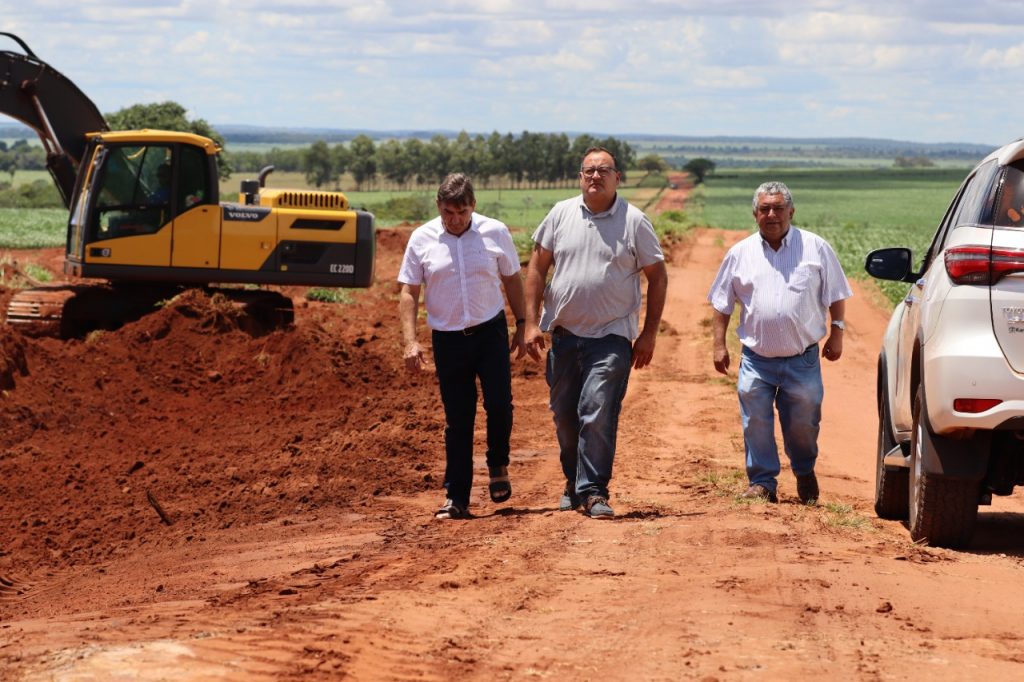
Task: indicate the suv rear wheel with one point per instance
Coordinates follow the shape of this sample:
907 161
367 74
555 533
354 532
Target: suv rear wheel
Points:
943 510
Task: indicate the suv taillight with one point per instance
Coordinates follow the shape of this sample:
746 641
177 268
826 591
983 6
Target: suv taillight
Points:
975 405
982 264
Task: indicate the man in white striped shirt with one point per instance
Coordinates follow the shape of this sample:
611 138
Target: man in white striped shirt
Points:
464 260
785 280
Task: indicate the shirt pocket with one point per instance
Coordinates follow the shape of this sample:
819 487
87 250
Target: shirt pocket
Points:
439 260
804 277
481 259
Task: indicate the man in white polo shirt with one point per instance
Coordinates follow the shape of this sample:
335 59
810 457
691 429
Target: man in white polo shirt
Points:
785 280
464 259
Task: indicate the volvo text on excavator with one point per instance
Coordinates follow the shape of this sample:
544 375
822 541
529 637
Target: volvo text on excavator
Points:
145 215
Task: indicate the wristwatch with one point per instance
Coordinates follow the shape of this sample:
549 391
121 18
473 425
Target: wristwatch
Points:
840 324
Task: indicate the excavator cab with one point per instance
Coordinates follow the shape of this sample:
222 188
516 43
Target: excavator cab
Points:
140 191
130 207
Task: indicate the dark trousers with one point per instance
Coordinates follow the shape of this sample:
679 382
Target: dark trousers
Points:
460 358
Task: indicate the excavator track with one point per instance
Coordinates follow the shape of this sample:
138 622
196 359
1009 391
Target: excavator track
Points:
39 312
72 311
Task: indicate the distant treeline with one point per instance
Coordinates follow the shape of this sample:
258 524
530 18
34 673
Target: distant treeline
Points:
750 153
528 159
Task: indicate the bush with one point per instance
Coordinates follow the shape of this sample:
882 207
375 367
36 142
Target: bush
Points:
672 225
37 194
413 208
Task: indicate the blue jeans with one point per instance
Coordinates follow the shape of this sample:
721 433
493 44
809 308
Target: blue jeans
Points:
794 385
587 378
459 360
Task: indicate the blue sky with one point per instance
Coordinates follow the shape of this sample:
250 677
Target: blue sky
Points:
919 70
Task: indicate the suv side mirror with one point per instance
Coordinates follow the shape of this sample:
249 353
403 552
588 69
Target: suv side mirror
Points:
892 264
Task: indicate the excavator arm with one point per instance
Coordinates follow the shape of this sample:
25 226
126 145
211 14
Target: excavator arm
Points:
42 98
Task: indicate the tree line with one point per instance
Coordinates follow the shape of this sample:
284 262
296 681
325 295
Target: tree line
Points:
528 159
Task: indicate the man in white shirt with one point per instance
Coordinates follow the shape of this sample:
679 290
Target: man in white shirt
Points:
464 259
785 279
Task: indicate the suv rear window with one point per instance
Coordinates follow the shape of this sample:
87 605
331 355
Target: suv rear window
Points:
1010 202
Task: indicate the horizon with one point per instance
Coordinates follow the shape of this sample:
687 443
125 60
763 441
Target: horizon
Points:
14 126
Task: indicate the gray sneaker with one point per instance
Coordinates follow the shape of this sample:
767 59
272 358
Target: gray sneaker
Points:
597 507
569 500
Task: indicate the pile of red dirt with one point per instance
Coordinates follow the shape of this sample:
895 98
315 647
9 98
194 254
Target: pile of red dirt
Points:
187 417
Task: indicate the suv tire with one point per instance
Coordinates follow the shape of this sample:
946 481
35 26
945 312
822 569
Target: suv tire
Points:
892 485
943 510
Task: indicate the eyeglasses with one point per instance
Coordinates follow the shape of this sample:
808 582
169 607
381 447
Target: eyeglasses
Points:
765 210
602 171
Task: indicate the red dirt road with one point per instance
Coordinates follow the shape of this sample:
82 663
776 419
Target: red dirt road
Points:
300 470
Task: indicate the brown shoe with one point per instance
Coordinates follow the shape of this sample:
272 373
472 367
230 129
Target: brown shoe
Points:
759 492
807 488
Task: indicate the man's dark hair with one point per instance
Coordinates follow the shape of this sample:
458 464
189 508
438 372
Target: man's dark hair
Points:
591 150
456 189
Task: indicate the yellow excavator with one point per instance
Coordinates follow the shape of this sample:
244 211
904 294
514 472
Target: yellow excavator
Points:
145 216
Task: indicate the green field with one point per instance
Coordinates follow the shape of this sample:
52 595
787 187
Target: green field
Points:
27 177
855 210
32 228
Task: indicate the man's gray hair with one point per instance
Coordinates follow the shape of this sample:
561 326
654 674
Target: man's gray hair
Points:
774 187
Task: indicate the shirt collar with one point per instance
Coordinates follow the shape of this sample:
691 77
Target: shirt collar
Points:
474 226
785 240
603 214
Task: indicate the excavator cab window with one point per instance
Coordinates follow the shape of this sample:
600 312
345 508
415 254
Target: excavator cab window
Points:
193 178
135 191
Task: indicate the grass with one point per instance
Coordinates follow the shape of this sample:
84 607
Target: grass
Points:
330 295
32 228
838 515
856 210
37 272
724 482
16 279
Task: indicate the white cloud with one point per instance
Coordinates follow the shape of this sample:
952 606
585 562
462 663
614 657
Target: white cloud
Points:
1007 58
196 43
733 66
729 79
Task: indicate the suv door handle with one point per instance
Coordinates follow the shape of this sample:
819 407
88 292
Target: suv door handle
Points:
910 299
920 283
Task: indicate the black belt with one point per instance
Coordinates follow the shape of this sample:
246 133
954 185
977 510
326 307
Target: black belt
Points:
560 331
469 331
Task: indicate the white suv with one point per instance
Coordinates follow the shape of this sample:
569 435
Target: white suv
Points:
951 370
